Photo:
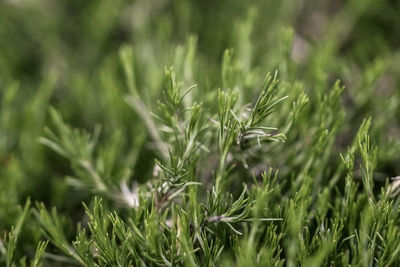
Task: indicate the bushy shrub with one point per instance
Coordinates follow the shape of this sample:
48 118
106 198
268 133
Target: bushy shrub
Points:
199 133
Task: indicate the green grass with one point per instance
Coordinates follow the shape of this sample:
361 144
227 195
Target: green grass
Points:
199 133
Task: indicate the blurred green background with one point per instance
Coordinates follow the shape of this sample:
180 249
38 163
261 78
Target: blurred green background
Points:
65 54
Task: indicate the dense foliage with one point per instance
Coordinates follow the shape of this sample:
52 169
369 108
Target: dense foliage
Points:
199 133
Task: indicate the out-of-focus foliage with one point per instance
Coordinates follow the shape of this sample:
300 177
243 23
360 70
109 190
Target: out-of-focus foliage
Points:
215 132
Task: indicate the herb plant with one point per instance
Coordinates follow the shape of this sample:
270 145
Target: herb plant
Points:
194 133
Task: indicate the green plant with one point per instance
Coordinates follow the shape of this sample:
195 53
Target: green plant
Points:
141 144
